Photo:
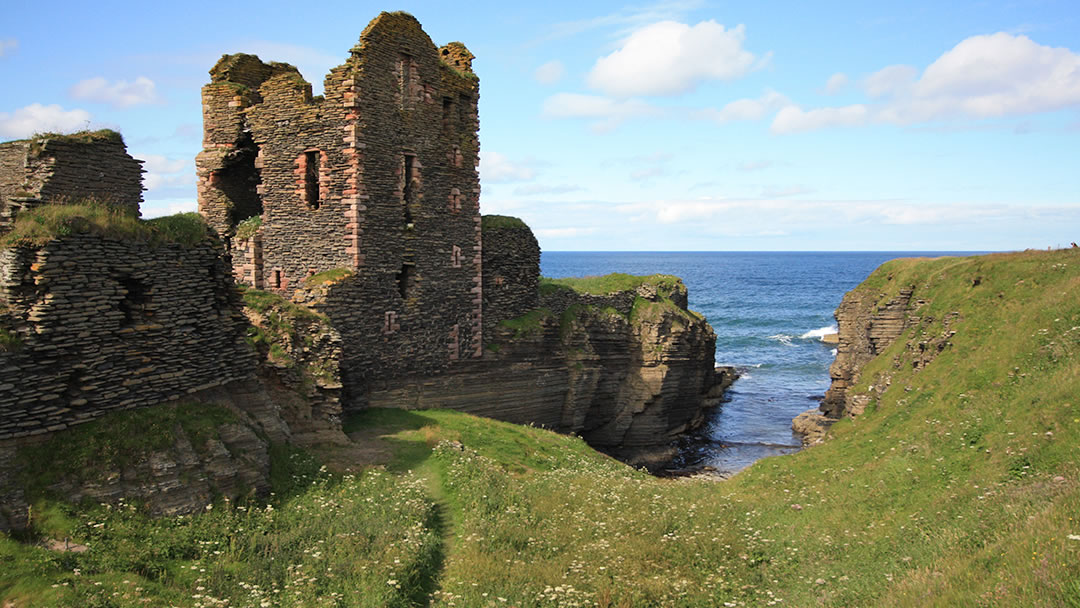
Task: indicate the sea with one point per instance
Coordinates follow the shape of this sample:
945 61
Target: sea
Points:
770 311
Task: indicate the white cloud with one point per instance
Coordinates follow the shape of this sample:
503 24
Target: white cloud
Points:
836 83
792 215
119 94
755 165
778 192
162 172
152 208
609 113
639 175
550 72
745 109
631 17
561 233
893 80
8 46
986 76
793 119
535 189
496 168
37 118
670 58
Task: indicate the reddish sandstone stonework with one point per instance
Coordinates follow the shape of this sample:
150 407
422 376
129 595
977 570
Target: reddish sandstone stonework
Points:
378 175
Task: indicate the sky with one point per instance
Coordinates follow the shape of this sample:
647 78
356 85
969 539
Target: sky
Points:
676 125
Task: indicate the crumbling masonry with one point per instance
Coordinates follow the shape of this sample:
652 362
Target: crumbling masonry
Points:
376 181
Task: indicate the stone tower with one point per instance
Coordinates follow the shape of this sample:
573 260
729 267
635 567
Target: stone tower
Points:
376 180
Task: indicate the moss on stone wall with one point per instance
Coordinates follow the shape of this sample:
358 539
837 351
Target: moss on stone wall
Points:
330 276
116 441
40 225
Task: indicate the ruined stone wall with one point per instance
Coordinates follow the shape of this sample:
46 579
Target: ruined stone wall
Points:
102 324
378 176
12 176
72 169
511 264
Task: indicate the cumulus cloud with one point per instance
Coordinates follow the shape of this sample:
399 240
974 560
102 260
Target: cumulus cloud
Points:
549 73
119 94
8 46
37 118
607 113
162 172
986 76
836 83
670 58
497 168
745 109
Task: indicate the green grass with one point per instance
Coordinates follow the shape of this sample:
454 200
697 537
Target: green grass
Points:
611 283
79 137
249 227
39 225
527 324
9 342
333 275
96 449
320 540
959 486
501 222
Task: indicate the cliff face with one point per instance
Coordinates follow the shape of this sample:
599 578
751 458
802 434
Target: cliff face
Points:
627 383
869 321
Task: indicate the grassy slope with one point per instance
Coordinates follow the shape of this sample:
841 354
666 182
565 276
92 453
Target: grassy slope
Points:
961 486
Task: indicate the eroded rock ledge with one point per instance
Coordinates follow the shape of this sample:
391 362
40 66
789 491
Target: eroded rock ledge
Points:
871 318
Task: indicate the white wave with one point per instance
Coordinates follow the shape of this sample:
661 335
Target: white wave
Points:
819 333
833 352
782 338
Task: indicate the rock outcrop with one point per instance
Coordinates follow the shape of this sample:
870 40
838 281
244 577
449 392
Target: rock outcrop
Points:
869 321
628 382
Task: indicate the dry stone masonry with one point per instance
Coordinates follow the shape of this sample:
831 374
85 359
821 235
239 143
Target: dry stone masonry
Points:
50 169
104 324
377 176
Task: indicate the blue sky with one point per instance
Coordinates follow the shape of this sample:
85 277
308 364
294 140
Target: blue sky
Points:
674 125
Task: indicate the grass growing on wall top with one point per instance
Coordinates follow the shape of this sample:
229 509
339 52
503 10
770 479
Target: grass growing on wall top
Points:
329 276
39 225
611 283
500 222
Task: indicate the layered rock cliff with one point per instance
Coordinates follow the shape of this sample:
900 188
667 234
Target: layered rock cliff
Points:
869 321
628 376
871 318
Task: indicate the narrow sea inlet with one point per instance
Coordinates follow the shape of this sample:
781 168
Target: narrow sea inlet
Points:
769 311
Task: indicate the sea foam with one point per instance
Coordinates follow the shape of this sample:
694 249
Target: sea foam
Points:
819 333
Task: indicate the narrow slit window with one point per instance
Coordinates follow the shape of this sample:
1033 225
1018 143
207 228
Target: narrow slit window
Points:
311 178
447 113
406 280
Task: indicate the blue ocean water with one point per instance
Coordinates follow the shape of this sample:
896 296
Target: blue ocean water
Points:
769 311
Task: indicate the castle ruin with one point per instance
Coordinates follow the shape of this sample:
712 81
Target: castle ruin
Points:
373 183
